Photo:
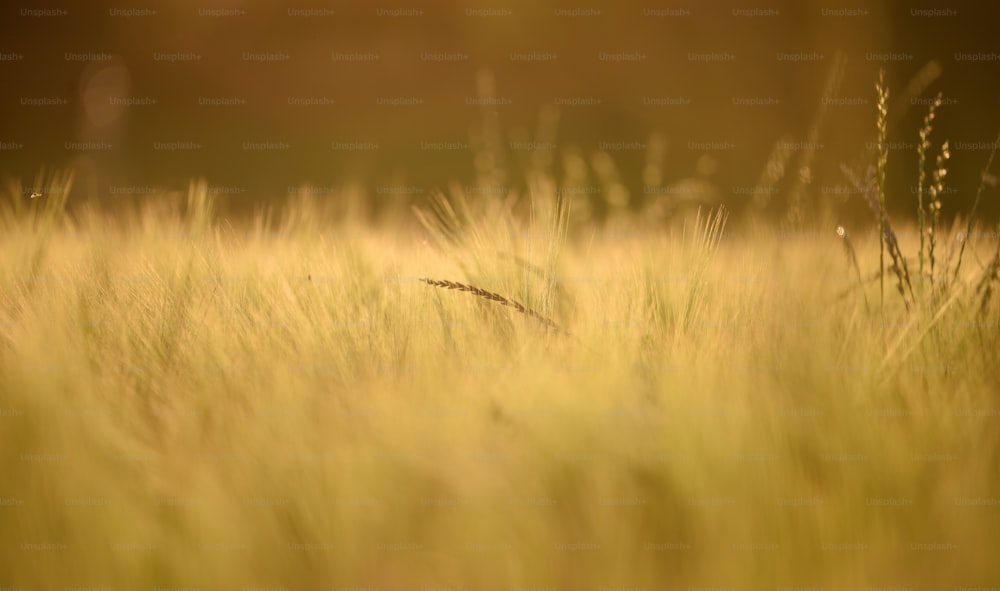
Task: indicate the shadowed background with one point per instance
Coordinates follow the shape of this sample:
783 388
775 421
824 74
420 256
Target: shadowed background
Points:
262 98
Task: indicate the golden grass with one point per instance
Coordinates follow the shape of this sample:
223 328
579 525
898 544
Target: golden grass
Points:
187 405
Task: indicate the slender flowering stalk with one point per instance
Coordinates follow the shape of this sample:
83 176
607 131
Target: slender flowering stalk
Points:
936 190
984 179
922 148
883 159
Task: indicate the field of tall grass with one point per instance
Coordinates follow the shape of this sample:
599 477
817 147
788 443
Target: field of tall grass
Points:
496 399
189 405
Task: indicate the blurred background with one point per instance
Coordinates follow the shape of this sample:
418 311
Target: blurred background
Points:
628 105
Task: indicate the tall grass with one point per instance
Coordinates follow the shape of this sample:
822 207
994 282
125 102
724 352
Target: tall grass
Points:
184 404
309 402
937 288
